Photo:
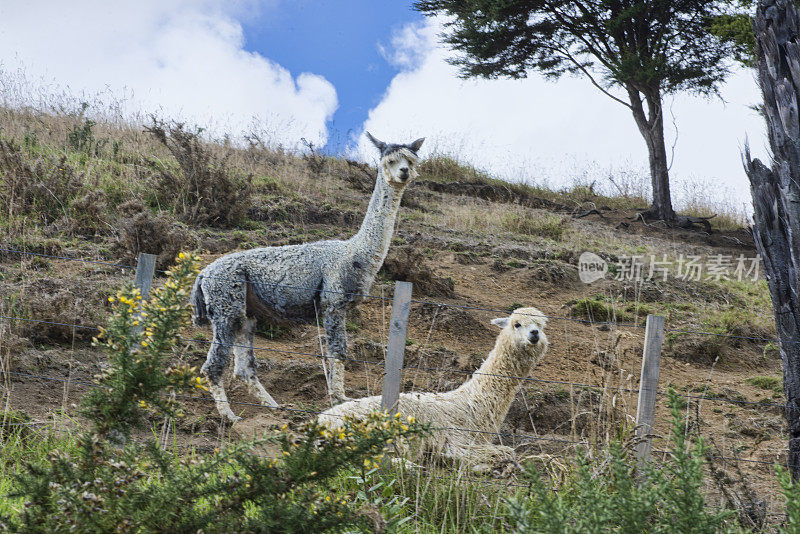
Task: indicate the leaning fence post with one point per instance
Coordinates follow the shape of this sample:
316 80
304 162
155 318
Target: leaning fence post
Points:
145 269
396 348
648 388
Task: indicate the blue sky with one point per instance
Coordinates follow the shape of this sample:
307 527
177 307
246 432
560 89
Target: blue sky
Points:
340 41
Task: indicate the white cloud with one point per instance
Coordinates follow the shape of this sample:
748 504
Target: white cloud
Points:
551 132
181 58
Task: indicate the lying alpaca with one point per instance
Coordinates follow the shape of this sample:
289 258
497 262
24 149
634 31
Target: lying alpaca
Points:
481 403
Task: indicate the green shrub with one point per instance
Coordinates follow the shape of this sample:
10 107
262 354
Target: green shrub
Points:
111 484
772 383
81 138
791 492
608 495
736 322
596 309
203 189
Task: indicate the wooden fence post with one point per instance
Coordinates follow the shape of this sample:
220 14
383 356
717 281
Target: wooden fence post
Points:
145 269
648 388
396 348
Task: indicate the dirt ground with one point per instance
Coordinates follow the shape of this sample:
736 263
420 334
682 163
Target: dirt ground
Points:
489 275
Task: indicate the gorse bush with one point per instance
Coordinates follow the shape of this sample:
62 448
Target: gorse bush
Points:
610 496
140 336
112 484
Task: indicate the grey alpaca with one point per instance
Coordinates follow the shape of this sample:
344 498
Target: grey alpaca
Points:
293 283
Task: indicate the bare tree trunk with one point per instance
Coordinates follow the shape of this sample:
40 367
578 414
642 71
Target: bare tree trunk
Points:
776 193
651 126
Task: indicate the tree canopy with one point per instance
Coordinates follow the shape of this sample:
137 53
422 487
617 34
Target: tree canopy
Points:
647 48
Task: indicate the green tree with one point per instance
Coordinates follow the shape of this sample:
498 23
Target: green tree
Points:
645 49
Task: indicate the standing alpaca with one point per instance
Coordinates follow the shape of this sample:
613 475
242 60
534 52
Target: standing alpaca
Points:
292 283
481 403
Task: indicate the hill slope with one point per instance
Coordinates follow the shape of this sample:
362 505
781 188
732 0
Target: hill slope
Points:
105 192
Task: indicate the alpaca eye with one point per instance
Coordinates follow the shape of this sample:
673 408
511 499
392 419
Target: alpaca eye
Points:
517 325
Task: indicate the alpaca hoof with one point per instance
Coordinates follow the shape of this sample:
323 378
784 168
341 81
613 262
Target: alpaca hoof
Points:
232 418
270 403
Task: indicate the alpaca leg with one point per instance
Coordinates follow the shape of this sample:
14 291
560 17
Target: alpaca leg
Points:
221 401
245 364
336 335
216 361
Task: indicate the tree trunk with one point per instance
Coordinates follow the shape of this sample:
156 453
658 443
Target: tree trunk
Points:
776 193
651 126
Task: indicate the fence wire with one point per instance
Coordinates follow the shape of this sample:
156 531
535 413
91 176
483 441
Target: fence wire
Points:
420 368
435 369
415 301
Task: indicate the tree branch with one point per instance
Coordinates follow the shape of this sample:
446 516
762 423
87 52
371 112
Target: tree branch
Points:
567 55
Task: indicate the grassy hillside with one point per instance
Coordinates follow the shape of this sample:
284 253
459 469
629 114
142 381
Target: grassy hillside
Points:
106 191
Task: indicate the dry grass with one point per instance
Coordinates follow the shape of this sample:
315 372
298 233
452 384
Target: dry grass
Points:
483 218
598 189
703 199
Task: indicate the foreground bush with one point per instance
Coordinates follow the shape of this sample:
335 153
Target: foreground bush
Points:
609 496
111 484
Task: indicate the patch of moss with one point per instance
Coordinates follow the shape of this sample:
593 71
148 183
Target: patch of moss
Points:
770 383
596 309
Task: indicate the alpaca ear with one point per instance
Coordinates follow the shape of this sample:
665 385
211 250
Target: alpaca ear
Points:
502 322
416 145
380 145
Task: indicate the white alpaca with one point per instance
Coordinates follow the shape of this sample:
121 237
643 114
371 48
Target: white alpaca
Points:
480 404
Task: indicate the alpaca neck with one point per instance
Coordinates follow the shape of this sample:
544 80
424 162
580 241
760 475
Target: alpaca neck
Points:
503 361
377 229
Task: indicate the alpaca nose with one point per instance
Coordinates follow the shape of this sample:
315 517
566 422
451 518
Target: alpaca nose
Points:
533 336
404 173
